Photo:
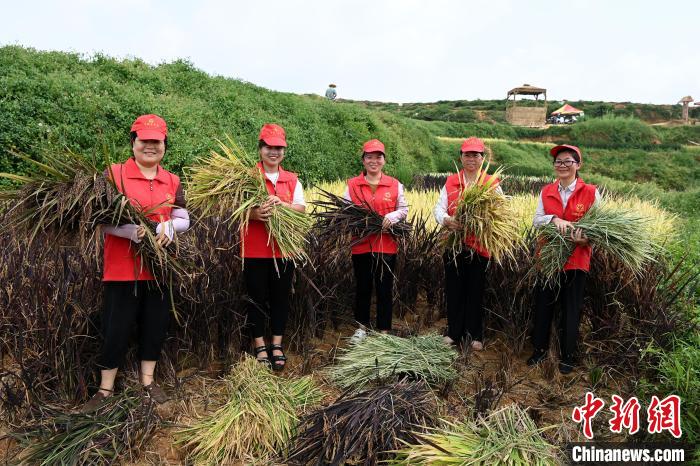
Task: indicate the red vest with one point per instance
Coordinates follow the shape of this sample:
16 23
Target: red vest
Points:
382 201
254 239
120 260
454 187
578 204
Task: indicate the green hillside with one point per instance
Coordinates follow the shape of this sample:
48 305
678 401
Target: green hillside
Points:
52 100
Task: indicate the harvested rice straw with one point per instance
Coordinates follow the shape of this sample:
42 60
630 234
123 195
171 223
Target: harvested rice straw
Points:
118 429
338 216
506 437
361 428
230 185
381 357
67 193
611 230
489 217
256 422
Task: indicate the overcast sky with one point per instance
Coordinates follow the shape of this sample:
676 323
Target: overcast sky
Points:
399 51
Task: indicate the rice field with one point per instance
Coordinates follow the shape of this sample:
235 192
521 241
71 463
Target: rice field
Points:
463 401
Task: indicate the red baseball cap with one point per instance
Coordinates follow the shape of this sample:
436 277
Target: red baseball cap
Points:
273 135
373 145
554 151
150 127
473 144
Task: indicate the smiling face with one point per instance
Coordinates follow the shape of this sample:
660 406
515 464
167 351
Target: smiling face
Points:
271 156
373 162
565 165
148 152
471 161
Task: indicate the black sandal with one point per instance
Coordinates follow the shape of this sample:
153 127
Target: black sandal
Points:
266 359
277 359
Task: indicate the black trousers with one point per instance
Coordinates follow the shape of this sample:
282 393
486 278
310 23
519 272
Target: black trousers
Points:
374 270
465 280
569 296
268 290
126 303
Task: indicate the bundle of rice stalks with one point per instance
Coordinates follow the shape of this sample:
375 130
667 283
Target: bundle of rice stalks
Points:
360 429
506 437
67 193
612 231
230 185
381 357
489 217
256 422
336 217
118 430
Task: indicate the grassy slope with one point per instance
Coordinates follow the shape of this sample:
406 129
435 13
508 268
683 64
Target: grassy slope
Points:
56 100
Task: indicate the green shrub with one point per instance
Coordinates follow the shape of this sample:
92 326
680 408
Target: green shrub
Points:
613 132
677 136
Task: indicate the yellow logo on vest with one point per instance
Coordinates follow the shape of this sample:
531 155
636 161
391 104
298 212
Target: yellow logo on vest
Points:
387 196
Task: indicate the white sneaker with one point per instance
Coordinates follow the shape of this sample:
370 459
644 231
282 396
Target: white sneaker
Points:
359 335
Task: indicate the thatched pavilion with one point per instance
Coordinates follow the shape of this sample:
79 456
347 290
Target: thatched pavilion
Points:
526 116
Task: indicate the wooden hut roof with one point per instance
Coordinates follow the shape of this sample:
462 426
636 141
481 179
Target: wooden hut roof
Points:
527 89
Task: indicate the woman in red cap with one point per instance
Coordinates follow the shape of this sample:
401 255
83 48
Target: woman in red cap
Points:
465 274
563 203
374 257
268 275
130 293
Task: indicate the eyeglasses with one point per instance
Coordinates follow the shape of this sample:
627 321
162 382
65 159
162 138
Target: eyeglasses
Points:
564 163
